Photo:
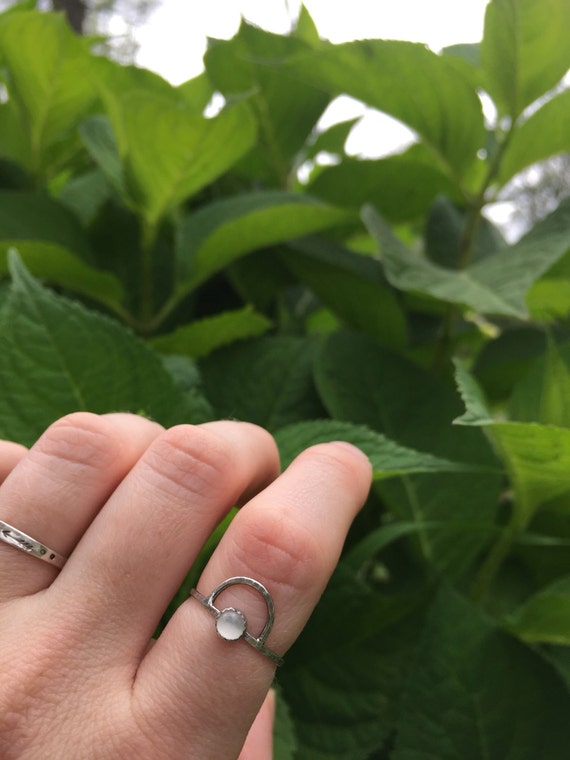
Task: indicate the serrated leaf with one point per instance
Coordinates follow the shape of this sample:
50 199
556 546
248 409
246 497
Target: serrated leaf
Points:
451 123
495 285
365 384
545 617
389 459
536 457
544 134
476 694
224 231
525 50
57 357
268 381
201 337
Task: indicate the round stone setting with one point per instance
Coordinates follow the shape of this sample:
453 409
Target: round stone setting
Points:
231 624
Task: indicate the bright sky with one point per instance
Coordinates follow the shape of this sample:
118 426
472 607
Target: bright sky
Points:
173 41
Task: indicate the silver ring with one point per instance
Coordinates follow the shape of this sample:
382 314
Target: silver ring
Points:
231 624
25 543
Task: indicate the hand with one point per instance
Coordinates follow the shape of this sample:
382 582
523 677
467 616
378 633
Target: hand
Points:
132 504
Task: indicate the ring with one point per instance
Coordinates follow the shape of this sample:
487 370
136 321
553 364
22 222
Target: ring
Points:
231 624
25 543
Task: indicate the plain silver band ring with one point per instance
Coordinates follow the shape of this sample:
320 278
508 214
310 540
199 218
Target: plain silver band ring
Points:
231 624
19 540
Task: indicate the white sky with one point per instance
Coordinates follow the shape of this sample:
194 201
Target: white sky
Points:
173 42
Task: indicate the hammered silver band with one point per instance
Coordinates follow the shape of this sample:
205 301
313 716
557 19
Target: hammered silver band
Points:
20 540
231 623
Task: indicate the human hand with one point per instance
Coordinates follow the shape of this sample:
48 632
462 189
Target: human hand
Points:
133 504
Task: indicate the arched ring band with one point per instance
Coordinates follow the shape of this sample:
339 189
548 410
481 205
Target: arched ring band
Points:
231 624
20 540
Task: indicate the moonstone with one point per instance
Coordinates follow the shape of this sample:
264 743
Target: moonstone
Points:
231 624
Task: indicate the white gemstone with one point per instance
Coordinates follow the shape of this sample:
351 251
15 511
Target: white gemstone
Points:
231 624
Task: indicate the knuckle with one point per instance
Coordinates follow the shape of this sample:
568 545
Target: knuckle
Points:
80 439
281 550
190 458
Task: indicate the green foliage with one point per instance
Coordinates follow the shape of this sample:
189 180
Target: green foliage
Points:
157 260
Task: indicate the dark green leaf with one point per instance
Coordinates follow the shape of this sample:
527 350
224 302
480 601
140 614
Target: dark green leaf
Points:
56 357
267 381
545 617
542 395
477 694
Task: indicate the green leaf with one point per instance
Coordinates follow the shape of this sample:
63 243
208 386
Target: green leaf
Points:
544 134
169 152
443 235
285 108
432 97
56 357
332 140
401 187
284 739
477 694
99 139
343 682
268 381
222 232
50 78
203 336
389 459
496 285
545 617
525 51
352 285
542 395
365 384
536 457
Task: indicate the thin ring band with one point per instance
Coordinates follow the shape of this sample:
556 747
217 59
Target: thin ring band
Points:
20 540
231 624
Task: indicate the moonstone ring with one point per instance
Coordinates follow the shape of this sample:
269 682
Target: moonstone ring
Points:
23 542
231 624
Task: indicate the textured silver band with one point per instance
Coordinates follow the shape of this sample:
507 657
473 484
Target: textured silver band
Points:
19 540
231 624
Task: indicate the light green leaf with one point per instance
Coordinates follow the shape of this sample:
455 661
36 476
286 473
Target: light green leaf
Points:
352 285
401 187
332 140
362 383
432 97
57 357
477 694
525 51
50 78
222 232
542 395
545 617
285 108
97 135
169 152
536 457
495 285
544 134
389 459
268 381
203 336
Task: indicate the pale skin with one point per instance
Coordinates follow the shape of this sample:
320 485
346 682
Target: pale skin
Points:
132 504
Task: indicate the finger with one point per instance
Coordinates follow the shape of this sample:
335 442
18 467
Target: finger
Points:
259 742
140 547
10 455
289 538
56 489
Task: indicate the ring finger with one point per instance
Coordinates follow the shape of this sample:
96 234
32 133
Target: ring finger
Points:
57 487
